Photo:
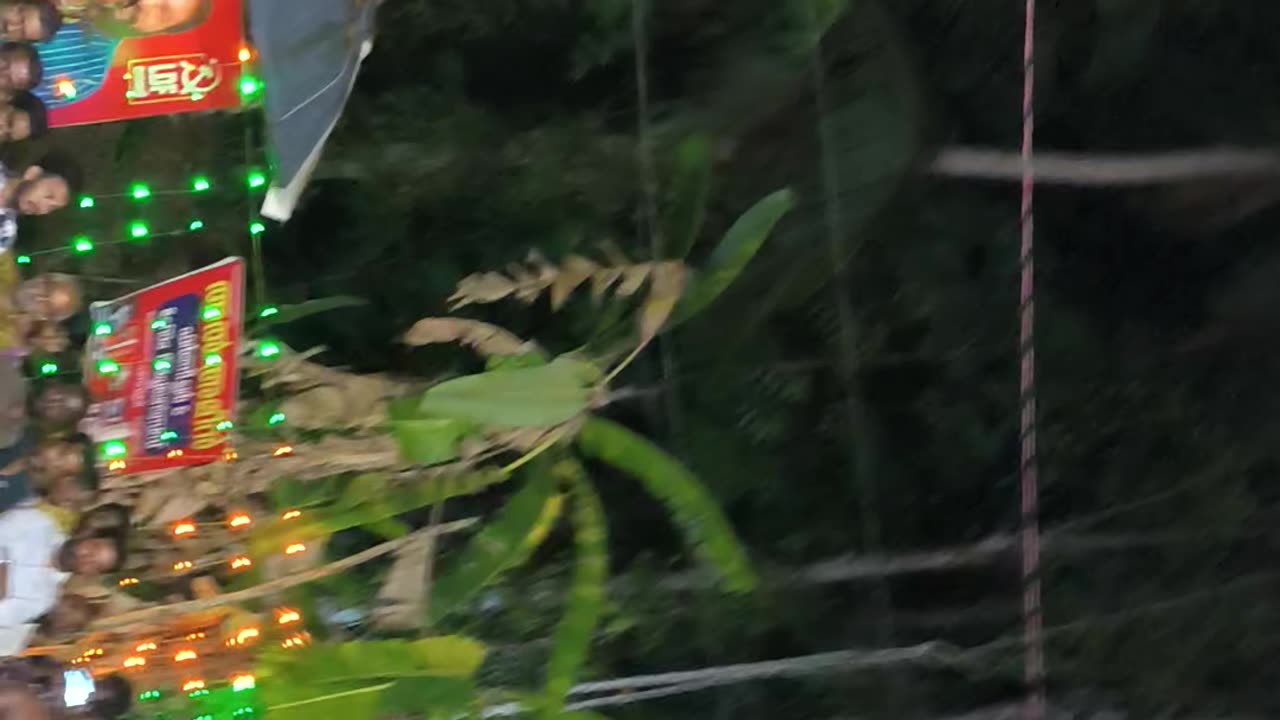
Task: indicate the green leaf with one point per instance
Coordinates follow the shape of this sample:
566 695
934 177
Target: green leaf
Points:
526 397
304 702
424 440
572 639
739 244
430 698
809 21
429 441
272 537
362 489
694 509
388 528
505 542
290 313
515 362
290 493
686 202
352 680
451 656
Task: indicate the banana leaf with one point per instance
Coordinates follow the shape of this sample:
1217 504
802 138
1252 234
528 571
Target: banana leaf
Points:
542 396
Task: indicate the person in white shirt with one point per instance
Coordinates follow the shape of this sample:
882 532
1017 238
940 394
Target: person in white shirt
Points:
37 558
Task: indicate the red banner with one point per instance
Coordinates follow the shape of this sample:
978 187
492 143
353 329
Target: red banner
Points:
161 370
189 60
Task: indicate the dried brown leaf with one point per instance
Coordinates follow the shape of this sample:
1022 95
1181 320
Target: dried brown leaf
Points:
405 588
152 499
486 339
602 280
481 288
575 271
528 285
320 407
633 277
179 505
664 292
613 253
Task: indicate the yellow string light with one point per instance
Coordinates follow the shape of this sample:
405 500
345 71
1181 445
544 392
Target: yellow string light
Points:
242 682
190 685
295 548
239 520
185 656
285 616
135 661
186 527
240 563
242 637
290 515
282 451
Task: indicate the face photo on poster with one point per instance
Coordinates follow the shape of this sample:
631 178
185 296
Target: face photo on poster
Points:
124 59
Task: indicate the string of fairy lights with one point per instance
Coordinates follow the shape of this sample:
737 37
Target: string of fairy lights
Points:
185 652
139 230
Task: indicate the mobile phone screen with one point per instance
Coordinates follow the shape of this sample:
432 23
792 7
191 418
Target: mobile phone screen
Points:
79 687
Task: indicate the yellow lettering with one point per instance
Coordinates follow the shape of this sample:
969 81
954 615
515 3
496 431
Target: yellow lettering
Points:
218 294
215 337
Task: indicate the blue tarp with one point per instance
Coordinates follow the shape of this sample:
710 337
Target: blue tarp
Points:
309 52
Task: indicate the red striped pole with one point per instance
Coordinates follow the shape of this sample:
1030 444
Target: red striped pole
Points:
1033 639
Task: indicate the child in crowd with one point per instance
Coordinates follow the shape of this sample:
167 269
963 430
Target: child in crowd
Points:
29 21
50 296
20 69
36 312
24 118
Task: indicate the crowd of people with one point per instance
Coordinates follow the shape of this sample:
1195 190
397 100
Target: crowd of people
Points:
51 535
48 480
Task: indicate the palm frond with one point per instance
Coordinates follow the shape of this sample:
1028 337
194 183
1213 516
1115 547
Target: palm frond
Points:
520 527
394 501
484 338
694 510
572 639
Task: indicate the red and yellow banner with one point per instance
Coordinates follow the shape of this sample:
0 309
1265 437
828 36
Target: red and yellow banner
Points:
161 370
185 60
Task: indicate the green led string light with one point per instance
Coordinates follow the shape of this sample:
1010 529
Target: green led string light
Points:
114 449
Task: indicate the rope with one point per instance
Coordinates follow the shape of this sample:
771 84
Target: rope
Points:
985 657
1032 613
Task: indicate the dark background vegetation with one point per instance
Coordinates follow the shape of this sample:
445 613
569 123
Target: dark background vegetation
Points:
482 129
